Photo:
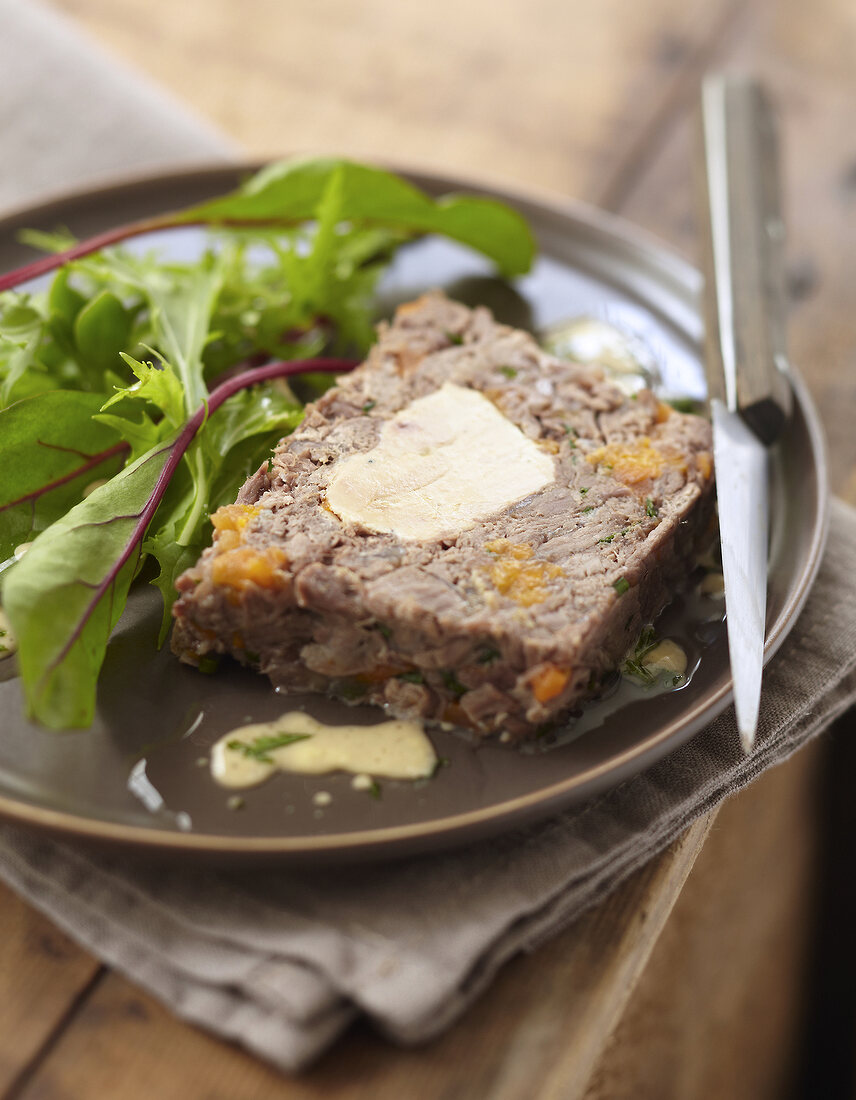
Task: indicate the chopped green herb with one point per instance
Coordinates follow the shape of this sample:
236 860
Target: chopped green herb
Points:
369 405
509 372
411 677
208 665
260 747
374 791
454 338
621 586
634 666
352 689
584 489
442 762
571 433
488 655
587 510
651 508
453 683
683 404
235 802
608 538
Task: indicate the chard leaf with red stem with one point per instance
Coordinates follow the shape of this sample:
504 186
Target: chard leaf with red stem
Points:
64 597
288 193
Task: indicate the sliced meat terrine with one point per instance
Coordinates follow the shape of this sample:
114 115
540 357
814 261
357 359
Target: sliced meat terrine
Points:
464 529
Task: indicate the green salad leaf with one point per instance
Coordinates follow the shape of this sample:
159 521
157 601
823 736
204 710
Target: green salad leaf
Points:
51 450
289 191
66 594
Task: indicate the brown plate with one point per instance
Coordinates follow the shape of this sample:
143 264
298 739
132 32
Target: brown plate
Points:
135 778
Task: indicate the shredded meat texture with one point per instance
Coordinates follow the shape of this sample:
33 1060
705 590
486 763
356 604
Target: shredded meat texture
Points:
502 627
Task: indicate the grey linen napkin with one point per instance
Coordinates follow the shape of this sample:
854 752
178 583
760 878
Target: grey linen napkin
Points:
281 962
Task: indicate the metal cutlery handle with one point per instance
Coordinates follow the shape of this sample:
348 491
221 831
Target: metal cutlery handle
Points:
743 234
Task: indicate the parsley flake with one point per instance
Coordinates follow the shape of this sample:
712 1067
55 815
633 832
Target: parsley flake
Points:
453 683
634 666
621 586
509 372
260 747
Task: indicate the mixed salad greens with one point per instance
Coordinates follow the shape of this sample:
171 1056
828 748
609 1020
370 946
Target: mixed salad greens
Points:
137 393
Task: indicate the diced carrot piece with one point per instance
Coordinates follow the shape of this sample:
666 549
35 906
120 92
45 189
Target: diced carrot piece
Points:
549 681
245 566
233 517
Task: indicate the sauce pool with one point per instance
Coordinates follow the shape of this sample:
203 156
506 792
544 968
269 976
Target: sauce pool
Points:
299 743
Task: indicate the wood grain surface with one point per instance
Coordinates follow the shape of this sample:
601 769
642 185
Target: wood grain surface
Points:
690 980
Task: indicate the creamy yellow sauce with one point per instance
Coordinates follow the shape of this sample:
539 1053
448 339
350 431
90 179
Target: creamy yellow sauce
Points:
713 584
624 358
442 464
391 750
8 641
666 656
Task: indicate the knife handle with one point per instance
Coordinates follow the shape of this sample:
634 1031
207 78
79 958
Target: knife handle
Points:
743 252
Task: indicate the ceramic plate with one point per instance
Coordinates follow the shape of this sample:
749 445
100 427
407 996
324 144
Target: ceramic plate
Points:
138 779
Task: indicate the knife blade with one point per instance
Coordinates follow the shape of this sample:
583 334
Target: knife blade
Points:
745 355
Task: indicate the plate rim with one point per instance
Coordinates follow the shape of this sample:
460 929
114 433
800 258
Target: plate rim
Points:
390 841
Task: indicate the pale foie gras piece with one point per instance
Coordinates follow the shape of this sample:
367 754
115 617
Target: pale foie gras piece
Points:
441 465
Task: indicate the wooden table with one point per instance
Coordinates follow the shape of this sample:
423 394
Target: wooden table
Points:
691 980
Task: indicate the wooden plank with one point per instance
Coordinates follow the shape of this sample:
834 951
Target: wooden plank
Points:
719 1008
42 973
542 92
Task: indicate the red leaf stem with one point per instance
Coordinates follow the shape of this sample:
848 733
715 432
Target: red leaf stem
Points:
90 464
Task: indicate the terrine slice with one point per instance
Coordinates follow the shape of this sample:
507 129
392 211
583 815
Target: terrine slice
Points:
464 529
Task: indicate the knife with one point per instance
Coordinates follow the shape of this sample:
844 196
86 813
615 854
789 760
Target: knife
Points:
745 355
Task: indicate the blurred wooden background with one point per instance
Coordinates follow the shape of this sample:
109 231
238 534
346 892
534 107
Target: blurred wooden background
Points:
702 977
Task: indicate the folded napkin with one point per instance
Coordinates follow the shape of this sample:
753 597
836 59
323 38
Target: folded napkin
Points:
282 961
